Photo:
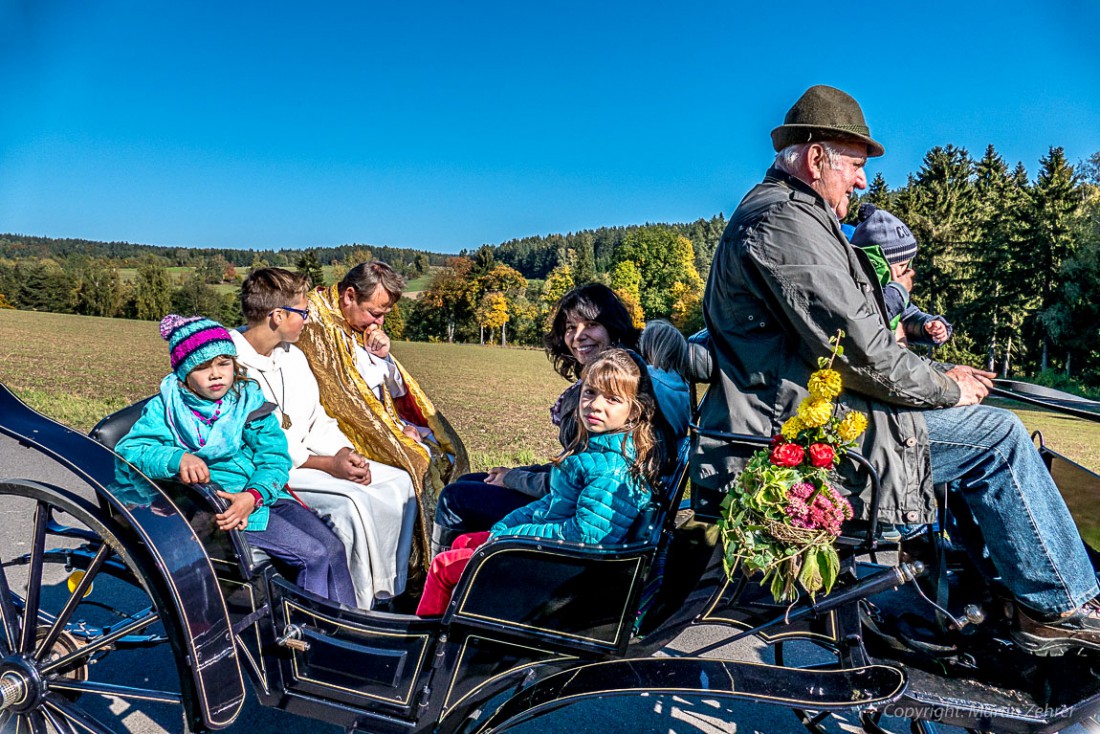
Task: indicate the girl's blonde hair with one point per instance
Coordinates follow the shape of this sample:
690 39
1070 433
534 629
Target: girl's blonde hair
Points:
623 373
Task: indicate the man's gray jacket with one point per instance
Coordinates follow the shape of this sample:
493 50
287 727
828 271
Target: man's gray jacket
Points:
783 281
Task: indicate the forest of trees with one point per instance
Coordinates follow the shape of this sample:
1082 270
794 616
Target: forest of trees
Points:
86 278
1012 261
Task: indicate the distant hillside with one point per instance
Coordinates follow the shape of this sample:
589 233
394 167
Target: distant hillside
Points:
22 247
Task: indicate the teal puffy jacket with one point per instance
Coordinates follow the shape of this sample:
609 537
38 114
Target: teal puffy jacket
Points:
263 463
593 498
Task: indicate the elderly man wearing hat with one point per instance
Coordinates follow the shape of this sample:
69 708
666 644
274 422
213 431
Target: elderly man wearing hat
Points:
784 280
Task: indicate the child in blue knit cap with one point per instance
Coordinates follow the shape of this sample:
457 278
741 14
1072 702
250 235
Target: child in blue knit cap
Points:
598 487
891 247
209 423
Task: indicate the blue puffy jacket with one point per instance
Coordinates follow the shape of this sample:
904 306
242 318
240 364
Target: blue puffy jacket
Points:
593 498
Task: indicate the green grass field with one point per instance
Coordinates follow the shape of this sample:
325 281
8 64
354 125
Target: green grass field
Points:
76 369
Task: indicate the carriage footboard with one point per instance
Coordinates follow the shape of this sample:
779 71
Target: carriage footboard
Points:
818 690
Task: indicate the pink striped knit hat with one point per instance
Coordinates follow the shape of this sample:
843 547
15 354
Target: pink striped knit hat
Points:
194 340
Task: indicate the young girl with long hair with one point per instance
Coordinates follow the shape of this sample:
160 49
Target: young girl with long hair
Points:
209 423
586 321
598 487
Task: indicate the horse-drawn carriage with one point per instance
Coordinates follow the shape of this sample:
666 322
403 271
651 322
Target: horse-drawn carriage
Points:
102 571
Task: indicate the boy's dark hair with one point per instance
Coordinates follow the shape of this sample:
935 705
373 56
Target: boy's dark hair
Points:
592 302
267 289
365 278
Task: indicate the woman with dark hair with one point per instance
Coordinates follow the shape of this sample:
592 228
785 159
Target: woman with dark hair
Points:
587 320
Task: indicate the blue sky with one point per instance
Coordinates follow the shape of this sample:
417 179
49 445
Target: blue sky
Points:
446 125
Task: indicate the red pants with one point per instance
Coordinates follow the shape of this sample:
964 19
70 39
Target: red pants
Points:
445 572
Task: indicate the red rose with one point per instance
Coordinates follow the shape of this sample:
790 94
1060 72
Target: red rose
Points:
787 454
777 439
822 455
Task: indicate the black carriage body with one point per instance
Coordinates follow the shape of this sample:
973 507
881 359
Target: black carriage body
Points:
533 625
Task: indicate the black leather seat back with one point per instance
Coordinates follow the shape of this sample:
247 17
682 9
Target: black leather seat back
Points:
111 429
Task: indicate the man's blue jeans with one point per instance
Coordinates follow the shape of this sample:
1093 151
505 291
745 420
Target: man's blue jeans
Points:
988 457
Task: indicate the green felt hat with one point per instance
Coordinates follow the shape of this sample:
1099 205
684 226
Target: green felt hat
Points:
825 113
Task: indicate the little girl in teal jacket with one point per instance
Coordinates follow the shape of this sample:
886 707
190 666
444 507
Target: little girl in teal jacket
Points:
597 489
206 425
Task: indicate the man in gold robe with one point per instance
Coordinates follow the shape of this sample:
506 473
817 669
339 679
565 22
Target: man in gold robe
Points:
378 405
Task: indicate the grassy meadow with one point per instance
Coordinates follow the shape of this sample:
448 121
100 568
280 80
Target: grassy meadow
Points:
77 369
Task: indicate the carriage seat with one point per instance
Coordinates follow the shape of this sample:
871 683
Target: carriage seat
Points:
570 596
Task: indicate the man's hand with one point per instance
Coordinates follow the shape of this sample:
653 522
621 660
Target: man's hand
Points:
193 470
496 475
377 341
241 505
350 465
973 383
936 331
412 432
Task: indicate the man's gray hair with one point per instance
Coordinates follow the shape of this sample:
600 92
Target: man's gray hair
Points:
791 157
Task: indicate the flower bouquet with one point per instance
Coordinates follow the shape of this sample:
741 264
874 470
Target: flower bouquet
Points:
782 515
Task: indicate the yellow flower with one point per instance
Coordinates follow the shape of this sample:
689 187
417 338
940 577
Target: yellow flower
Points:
825 384
853 424
814 412
792 427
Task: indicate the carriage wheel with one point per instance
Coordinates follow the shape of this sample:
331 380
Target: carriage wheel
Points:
80 634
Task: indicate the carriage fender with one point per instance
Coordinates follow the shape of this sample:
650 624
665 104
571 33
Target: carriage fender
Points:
819 690
151 529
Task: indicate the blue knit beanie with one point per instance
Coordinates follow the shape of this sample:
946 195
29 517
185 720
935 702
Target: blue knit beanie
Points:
194 340
878 227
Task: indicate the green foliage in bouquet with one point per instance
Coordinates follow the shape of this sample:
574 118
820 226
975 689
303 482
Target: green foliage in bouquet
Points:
782 514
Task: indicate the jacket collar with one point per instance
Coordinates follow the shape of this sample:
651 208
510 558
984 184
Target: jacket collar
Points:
800 189
620 443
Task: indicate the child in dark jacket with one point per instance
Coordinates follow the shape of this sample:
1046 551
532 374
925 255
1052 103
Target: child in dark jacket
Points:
598 487
209 423
891 247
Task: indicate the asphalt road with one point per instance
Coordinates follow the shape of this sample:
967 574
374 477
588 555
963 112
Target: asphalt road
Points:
638 714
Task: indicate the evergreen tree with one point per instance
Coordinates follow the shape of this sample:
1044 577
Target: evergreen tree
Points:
585 262
43 286
309 267
1001 293
1055 200
939 205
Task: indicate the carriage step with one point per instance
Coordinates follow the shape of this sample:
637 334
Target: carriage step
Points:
1063 699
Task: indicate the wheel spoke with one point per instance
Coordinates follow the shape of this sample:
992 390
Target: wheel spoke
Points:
60 725
9 633
110 689
36 724
127 629
77 719
34 578
66 613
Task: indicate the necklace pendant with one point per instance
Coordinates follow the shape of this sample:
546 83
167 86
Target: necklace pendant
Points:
286 421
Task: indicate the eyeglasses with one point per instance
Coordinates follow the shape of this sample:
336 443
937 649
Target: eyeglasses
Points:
303 312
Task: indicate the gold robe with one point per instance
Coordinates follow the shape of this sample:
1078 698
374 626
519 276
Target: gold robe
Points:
373 425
